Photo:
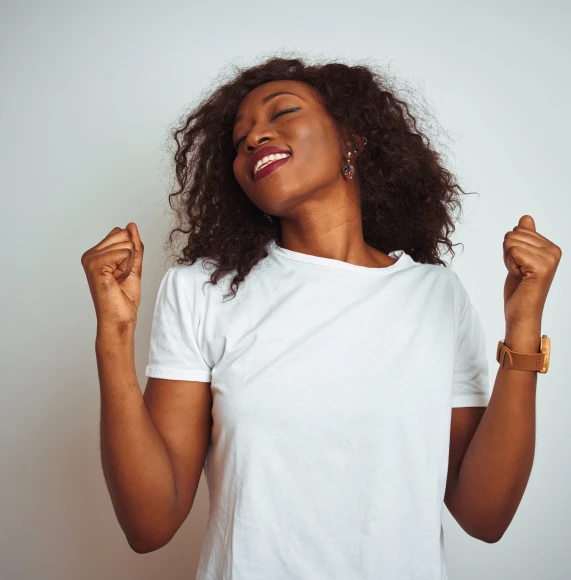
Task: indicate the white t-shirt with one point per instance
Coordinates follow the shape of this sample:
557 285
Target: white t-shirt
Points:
332 387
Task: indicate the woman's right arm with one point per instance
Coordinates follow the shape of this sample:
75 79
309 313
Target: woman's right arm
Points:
135 461
153 446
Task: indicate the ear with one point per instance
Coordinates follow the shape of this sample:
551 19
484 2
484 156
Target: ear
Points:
358 144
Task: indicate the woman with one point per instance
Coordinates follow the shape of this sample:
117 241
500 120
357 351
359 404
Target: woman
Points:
333 398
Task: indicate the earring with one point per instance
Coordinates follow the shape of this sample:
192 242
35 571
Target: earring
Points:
348 169
269 217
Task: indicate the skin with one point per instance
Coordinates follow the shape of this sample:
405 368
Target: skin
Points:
319 210
153 447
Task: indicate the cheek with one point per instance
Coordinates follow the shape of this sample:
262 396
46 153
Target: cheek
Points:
317 150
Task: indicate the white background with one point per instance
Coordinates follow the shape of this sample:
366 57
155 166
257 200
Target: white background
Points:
89 92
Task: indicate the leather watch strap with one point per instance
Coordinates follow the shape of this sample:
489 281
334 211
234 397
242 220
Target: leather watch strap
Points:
518 360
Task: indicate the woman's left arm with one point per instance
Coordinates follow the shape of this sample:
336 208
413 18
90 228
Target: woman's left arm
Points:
496 466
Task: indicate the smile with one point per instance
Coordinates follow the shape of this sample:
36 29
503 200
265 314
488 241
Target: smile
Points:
269 164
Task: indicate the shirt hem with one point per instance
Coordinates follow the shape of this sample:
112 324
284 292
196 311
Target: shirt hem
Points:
178 374
470 401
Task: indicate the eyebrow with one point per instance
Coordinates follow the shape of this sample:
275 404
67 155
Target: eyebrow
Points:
267 98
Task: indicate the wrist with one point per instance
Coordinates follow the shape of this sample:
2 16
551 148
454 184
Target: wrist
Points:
524 339
116 328
115 336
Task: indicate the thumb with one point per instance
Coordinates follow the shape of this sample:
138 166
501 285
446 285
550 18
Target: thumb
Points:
133 232
526 221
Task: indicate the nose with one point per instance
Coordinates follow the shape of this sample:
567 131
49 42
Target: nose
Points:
257 135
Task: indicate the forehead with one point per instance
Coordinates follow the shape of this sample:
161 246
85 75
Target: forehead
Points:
256 96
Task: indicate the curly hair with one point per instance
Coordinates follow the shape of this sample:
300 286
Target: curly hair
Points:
407 197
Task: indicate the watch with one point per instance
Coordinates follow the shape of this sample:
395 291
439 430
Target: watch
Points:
510 359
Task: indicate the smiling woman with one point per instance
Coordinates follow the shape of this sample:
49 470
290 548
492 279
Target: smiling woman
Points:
230 208
319 400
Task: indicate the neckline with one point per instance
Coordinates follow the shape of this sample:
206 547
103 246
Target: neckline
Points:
403 260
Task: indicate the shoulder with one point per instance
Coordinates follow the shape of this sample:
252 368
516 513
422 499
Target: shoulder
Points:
191 274
436 272
195 279
200 268
441 283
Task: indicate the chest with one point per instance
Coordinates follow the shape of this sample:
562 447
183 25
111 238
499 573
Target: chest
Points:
347 357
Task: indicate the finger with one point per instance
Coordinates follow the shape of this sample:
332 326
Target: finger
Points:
114 236
116 259
115 229
547 246
509 260
139 248
531 232
527 236
512 241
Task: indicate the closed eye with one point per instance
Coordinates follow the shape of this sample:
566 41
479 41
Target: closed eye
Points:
283 112
286 111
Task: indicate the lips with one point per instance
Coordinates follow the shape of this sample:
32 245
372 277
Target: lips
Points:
261 153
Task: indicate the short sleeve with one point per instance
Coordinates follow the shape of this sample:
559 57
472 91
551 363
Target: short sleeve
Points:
471 383
174 352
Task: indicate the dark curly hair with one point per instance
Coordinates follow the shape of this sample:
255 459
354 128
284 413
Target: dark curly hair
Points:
407 196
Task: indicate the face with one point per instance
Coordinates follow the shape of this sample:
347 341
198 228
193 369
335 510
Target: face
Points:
287 115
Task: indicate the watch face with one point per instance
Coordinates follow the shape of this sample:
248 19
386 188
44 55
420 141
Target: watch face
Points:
545 348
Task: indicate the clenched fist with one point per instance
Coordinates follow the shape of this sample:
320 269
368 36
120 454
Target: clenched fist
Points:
113 268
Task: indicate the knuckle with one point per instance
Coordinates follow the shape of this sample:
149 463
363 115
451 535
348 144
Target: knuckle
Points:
554 259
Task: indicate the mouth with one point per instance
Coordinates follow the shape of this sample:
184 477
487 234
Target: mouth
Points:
269 164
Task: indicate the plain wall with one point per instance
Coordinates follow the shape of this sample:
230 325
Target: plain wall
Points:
89 92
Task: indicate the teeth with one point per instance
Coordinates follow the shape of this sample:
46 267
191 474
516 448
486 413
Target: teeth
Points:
268 159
